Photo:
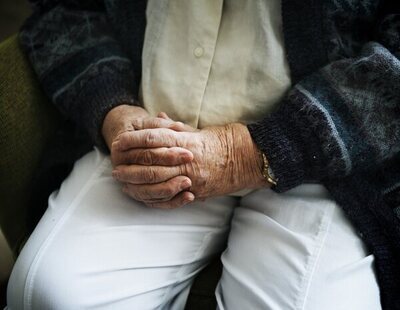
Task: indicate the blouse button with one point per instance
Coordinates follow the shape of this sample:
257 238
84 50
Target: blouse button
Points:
198 52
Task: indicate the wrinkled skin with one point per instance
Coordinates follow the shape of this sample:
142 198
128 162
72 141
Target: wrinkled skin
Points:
167 164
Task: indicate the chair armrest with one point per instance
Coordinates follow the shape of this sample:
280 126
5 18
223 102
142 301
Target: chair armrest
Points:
27 121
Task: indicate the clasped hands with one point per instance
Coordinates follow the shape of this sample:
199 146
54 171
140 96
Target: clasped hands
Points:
167 164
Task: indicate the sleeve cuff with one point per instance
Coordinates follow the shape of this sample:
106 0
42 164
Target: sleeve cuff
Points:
292 155
98 96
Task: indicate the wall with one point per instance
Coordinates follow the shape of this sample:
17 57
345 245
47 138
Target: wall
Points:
12 15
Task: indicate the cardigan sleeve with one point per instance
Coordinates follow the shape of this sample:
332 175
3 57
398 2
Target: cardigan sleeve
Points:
80 63
341 119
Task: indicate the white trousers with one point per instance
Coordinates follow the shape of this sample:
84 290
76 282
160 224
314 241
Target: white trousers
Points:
95 248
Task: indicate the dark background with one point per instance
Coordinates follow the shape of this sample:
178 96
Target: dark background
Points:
12 15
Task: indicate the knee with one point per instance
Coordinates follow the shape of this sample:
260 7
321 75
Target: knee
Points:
44 284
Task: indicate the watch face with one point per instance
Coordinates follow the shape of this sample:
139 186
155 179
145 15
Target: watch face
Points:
267 171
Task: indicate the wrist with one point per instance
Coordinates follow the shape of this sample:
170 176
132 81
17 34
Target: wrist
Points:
247 157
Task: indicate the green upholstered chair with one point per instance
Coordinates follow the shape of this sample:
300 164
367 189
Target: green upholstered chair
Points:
27 122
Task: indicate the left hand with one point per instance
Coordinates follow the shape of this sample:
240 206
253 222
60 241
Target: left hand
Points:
225 160
126 118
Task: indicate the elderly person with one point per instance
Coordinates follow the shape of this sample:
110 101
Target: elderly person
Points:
279 152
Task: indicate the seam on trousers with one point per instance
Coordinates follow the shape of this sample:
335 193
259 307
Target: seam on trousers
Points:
178 275
28 291
312 262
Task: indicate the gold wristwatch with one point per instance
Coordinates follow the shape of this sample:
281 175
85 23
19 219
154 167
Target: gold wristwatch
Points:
267 171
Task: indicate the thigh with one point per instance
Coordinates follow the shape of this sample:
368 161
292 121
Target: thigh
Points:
295 251
97 248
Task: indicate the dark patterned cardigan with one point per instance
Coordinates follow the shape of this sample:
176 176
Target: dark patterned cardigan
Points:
339 124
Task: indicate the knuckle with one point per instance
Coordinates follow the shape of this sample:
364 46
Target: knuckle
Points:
183 170
149 122
133 157
157 122
137 123
147 157
149 138
150 175
123 175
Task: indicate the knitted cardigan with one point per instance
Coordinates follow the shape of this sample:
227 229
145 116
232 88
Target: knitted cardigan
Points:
338 125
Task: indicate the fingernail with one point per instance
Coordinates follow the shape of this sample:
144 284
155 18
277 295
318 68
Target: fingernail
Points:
187 200
186 156
185 184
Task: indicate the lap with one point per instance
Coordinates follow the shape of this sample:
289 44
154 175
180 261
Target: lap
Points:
295 250
96 247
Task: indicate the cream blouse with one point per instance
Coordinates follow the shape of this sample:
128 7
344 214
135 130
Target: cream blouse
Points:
212 62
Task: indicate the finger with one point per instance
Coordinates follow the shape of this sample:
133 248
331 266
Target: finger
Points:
159 192
152 123
177 126
139 174
158 137
166 123
163 156
155 122
164 115
178 201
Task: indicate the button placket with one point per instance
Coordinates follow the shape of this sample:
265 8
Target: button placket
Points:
205 40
